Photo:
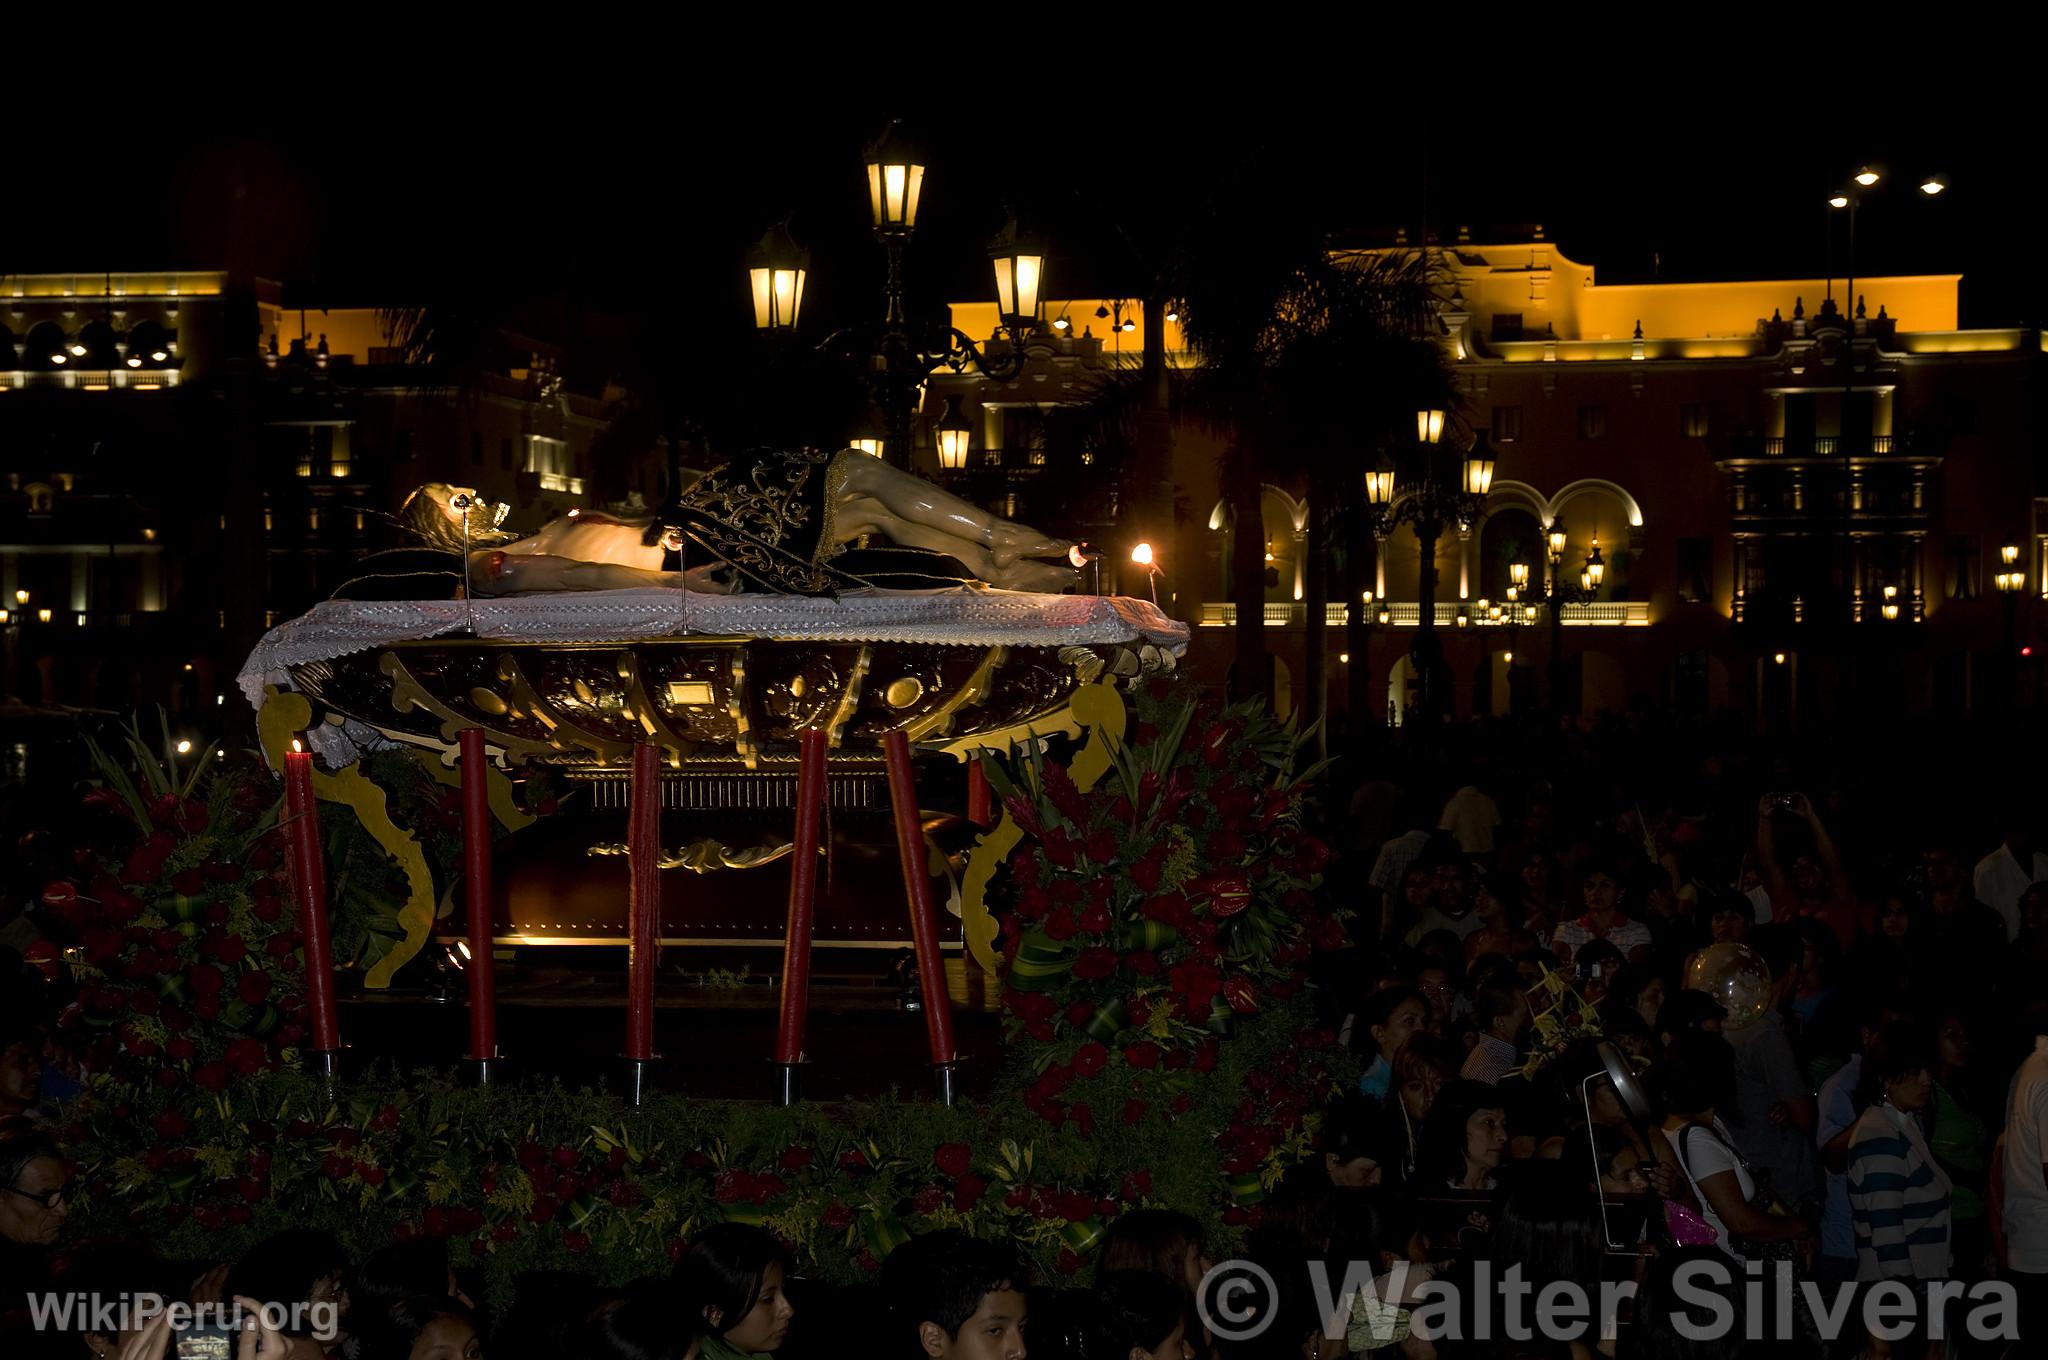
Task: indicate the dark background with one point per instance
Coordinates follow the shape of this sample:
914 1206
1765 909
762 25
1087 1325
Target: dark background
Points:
594 202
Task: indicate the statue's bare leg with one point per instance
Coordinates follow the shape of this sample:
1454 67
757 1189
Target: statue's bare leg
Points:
917 501
862 515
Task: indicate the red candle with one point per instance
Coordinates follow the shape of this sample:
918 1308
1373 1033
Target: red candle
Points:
643 847
979 810
309 886
476 867
917 888
803 898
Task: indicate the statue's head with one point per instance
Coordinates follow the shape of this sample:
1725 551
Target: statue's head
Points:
438 513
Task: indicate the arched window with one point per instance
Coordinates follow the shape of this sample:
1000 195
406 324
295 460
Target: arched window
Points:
41 500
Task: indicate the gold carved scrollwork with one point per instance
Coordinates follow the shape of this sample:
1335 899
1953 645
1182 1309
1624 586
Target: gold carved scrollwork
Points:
408 693
529 701
674 746
705 855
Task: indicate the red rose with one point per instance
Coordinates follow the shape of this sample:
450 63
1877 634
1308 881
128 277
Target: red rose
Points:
1095 919
928 1201
253 987
1068 1263
1076 1207
266 909
230 949
1102 846
371 1174
867 1262
838 1217
967 1192
565 1156
205 979
576 1243
732 1186
247 1056
1090 1058
167 1077
1134 1111
1205 1056
211 1076
1060 925
170 1124
953 1158
1095 964
1142 1055
544 1209
1143 963
795 1158
189 882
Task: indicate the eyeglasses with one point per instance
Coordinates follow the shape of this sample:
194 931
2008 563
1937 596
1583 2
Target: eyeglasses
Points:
49 1199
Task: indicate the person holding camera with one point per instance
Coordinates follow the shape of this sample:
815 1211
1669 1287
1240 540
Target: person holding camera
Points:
1813 884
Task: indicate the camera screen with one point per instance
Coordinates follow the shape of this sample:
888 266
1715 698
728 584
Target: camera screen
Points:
206 1343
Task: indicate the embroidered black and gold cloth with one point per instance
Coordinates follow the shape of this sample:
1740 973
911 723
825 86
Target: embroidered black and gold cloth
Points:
768 514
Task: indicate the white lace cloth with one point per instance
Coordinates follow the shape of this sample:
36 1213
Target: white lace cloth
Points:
968 617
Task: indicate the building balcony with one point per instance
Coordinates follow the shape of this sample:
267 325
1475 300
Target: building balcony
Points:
1602 614
1824 446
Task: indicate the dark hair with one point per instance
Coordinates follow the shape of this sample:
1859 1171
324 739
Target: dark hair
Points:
1355 1125
723 1269
1547 1223
1142 1309
116 1270
1903 1048
1627 986
391 1333
942 1277
1700 1074
21 1142
1151 1239
1727 902
1779 947
1428 1050
1495 1000
1441 1149
637 1325
284 1267
415 1268
1686 1010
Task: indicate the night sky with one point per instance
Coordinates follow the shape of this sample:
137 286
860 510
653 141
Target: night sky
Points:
624 207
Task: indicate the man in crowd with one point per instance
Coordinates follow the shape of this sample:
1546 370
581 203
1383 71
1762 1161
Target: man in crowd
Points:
2013 864
1775 1104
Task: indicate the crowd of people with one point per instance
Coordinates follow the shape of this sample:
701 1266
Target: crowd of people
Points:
1659 1012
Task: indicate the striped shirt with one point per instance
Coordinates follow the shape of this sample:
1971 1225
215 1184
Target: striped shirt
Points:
1898 1199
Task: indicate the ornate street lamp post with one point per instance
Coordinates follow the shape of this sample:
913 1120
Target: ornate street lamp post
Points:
1429 508
1558 593
900 353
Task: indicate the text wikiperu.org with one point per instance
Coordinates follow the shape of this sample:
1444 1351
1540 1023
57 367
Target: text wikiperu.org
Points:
112 1314
1703 1297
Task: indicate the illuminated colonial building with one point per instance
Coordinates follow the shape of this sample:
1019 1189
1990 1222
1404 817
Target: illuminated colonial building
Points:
185 459
1778 528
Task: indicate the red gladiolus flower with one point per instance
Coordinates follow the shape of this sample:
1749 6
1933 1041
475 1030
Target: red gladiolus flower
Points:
954 1159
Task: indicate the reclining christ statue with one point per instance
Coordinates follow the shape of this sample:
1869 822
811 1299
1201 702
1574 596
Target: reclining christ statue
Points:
771 521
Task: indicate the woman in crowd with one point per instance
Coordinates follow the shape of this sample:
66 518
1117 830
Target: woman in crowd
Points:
303 1272
1464 1139
1499 919
1899 1198
732 1278
1699 1078
1603 920
1393 1015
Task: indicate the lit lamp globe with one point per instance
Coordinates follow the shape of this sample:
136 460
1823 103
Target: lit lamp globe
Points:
1379 485
895 181
1142 554
776 268
1559 540
1735 976
1478 467
1596 569
1019 261
1429 426
954 435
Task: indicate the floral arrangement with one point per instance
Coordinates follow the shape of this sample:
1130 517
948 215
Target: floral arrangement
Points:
1161 1047
1560 1017
1145 918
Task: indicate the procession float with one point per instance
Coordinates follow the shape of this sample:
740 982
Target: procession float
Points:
814 708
